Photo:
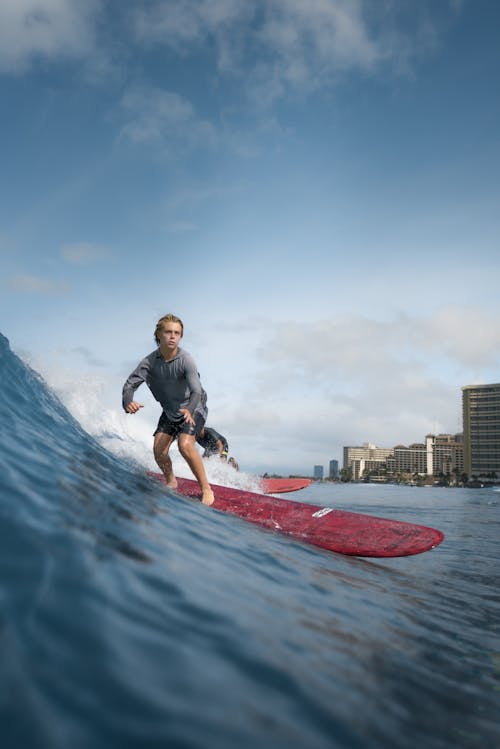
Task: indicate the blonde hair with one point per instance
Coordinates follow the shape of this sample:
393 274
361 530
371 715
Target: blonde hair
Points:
167 318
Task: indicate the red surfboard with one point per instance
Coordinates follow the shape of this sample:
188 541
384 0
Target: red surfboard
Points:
335 530
281 486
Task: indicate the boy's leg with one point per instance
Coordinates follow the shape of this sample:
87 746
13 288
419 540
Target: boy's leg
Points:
191 455
161 447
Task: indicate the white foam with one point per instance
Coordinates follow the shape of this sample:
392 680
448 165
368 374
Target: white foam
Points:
87 397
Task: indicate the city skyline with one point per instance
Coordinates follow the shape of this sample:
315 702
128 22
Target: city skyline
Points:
473 452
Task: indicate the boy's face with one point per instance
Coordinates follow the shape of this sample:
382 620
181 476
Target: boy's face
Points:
170 335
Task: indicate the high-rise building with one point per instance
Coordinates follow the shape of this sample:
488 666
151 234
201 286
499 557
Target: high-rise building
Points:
481 418
333 472
318 472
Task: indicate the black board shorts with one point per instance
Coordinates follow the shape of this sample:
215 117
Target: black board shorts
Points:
174 428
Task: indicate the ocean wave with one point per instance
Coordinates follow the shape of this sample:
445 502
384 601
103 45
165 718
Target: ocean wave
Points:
130 617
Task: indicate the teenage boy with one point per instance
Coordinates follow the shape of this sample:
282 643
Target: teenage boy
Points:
172 376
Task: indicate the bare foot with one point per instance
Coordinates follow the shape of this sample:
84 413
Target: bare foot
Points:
172 484
207 497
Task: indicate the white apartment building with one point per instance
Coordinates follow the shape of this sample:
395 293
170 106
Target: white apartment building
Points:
355 458
445 454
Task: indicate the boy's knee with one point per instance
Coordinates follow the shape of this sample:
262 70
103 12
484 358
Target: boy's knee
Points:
186 448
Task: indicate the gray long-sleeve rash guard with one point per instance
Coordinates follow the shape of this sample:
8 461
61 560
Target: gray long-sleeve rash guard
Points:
175 383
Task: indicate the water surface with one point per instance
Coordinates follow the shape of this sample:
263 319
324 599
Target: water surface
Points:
132 618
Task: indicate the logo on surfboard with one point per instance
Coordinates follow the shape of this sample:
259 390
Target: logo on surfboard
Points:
320 513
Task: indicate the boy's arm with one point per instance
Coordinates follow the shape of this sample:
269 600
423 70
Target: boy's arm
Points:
134 380
194 384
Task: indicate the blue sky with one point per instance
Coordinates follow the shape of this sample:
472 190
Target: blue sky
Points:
313 187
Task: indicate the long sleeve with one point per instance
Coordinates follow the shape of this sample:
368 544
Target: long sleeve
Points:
174 383
134 380
194 384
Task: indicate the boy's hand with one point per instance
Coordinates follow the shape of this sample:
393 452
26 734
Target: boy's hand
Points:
133 407
187 415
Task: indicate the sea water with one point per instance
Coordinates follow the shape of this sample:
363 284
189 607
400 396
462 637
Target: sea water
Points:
132 618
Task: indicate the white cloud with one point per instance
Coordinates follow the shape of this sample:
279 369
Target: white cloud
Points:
27 284
333 33
31 29
465 334
84 253
153 115
186 21
359 349
315 386
268 49
287 45
333 30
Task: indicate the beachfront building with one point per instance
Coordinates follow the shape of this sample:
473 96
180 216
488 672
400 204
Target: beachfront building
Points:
357 460
445 454
440 455
411 459
481 419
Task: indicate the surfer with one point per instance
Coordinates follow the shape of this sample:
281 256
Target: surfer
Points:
215 444
172 376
